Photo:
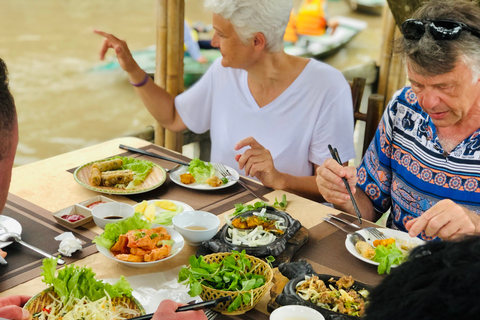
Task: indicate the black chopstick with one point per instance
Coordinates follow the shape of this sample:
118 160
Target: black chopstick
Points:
193 306
146 153
336 157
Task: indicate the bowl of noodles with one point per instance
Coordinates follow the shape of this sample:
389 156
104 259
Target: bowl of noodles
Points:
47 305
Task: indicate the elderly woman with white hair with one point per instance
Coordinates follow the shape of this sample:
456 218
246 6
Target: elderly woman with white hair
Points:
270 114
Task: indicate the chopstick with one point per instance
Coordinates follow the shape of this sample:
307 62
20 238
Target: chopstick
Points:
146 153
193 306
336 157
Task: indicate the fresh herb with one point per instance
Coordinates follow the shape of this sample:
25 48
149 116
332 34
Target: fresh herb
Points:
270 260
234 273
153 236
387 256
241 208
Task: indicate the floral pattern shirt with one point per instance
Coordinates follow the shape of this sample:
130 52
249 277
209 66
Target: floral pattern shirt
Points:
406 170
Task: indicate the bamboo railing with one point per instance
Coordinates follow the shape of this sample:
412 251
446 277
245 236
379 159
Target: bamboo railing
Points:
169 61
392 75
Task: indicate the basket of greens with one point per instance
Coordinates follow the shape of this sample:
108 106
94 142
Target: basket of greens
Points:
242 277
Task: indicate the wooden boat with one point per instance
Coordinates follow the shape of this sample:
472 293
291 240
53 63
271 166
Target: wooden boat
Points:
367 6
318 47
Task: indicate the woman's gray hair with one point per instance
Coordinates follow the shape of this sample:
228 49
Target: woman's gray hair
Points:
248 17
432 57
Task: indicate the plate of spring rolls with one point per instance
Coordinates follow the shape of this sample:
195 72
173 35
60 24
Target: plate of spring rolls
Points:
120 175
365 251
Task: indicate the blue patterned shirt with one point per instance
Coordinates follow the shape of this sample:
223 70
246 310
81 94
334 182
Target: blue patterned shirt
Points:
406 169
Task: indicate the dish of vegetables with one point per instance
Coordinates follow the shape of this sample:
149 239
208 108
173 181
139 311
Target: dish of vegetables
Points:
202 175
386 254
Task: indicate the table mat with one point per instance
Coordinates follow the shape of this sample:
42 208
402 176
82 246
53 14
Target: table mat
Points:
39 229
322 238
214 201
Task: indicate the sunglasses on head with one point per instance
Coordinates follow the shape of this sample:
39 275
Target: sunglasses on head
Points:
413 29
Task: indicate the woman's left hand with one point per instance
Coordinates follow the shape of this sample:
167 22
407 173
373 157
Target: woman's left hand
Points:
258 162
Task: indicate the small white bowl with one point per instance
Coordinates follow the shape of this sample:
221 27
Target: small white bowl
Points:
296 312
196 226
102 212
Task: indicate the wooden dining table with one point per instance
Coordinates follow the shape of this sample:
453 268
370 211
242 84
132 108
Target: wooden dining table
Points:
43 187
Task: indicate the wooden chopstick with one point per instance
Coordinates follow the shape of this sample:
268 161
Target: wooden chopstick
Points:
336 157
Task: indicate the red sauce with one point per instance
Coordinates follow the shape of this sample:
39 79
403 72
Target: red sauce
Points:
93 204
73 217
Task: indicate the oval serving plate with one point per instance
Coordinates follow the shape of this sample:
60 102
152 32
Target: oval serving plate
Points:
155 179
176 248
41 300
219 242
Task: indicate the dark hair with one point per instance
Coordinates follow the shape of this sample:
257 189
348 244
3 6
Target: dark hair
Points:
439 281
8 114
434 57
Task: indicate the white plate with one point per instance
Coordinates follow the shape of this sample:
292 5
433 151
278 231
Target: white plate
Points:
389 233
175 177
176 248
159 210
8 224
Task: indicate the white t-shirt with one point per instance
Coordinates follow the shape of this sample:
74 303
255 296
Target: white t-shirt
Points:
297 127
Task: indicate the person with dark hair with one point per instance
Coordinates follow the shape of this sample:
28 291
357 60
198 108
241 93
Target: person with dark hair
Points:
438 281
424 161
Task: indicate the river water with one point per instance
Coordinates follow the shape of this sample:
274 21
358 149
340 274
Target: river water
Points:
63 104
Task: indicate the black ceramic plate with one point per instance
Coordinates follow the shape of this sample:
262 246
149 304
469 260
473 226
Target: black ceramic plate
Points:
296 272
219 242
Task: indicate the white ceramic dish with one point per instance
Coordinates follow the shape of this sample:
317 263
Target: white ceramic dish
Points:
111 209
202 219
75 209
176 248
175 177
389 233
159 210
293 312
8 224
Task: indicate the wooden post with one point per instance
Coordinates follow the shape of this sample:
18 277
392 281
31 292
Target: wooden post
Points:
169 69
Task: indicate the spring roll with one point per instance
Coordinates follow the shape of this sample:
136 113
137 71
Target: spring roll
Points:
365 250
112 178
95 176
109 165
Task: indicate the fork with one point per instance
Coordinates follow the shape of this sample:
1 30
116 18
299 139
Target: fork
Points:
349 234
210 314
375 232
226 174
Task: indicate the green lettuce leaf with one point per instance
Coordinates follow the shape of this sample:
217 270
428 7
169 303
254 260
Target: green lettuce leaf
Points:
113 230
387 256
79 282
200 170
141 168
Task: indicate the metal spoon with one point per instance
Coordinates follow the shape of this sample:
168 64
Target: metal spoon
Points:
11 236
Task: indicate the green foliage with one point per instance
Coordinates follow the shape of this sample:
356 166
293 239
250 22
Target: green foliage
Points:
79 282
234 273
241 208
200 170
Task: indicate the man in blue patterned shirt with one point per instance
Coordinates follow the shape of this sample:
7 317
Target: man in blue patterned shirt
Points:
424 162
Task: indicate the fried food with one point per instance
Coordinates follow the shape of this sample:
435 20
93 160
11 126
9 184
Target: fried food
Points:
254 221
214 181
187 178
365 249
112 178
109 165
142 245
95 176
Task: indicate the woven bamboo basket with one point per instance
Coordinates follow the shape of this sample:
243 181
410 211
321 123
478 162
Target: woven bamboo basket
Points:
44 298
210 293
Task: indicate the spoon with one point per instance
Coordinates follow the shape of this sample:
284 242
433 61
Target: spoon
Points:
11 236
